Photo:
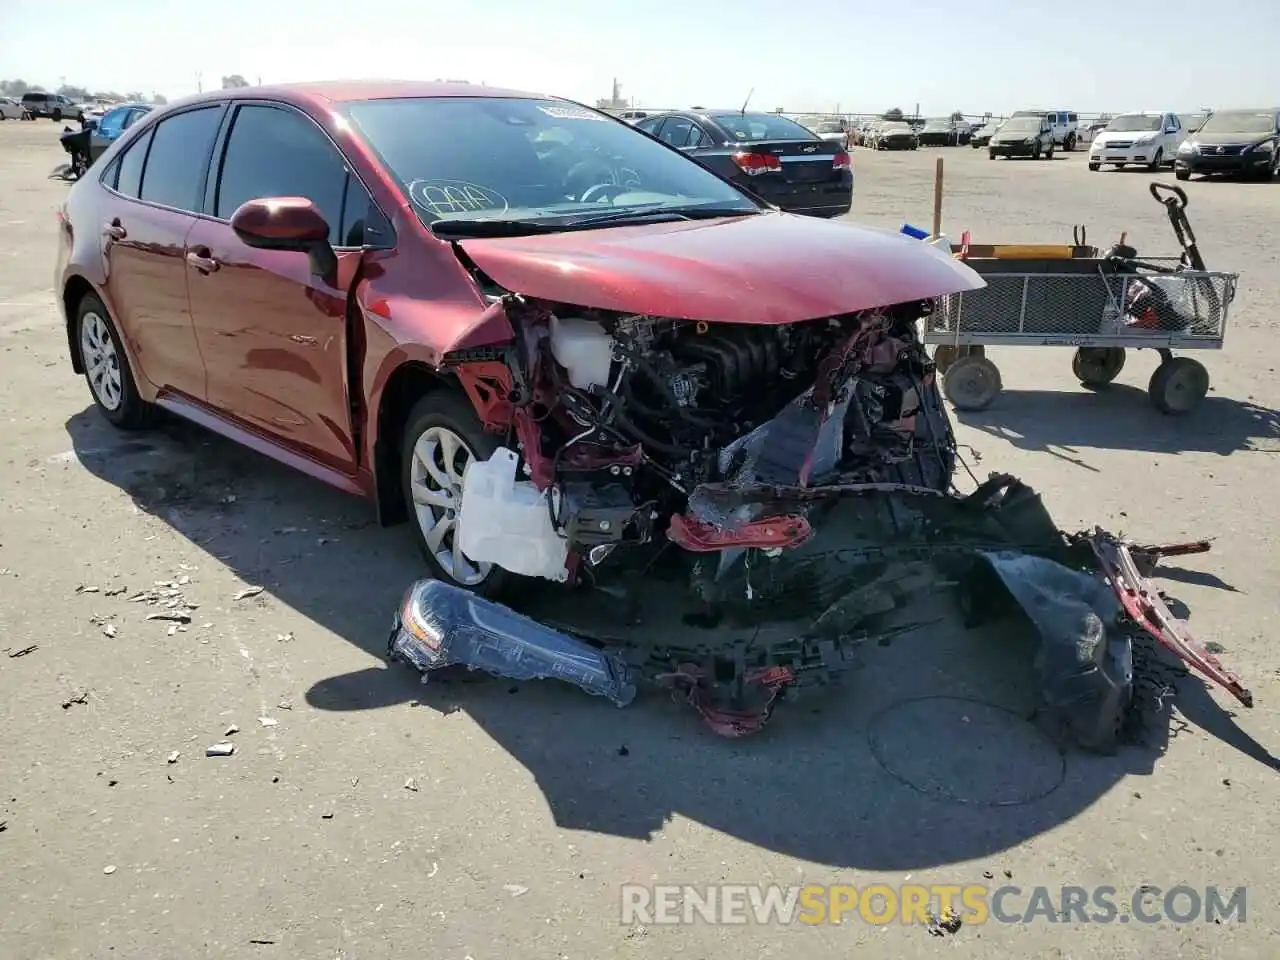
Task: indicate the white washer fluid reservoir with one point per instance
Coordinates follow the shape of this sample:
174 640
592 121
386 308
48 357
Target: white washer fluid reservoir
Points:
584 348
506 521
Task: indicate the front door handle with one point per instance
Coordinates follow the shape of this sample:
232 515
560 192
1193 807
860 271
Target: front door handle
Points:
115 231
202 263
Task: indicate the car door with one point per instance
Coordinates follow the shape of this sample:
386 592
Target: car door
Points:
158 182
1170 135
273 334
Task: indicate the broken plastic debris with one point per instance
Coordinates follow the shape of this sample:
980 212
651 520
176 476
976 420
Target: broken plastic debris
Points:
109 869
515 889
85 588
224 749
173 757
231 731
411 784
268 721
109 629
248 592
439 625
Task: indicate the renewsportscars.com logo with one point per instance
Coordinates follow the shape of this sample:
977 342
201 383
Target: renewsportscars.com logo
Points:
815 904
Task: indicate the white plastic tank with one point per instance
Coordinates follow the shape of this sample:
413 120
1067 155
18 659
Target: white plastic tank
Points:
506 521
584 348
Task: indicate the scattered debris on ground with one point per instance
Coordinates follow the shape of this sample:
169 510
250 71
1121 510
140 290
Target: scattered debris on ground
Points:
248 592
24 651
224 749
79 698
941 925
173 757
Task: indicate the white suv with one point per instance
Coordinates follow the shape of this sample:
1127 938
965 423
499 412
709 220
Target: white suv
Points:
1149 139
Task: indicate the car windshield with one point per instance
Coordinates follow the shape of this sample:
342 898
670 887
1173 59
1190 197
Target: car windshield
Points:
1021 125
935 125
761 126
530 160
1134 123
1192 121
830 126
895 128
1240 121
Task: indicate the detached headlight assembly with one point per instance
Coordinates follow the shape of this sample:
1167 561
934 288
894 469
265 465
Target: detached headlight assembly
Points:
1189 147
1266 146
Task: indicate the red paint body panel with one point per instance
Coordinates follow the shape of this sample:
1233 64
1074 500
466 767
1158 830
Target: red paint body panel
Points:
772 268
273 337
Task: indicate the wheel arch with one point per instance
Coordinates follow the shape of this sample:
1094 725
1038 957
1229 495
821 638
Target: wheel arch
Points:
406 384
74 291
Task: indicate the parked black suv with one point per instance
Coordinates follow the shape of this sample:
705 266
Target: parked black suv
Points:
52 105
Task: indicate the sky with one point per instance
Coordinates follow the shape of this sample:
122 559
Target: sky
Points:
814 55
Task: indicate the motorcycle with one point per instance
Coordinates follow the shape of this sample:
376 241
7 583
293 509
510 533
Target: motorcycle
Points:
76 143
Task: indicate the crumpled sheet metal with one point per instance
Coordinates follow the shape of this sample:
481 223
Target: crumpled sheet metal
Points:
440 625
1085 658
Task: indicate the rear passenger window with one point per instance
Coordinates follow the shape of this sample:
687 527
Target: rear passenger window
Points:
274 152
179 155
676 131
128 176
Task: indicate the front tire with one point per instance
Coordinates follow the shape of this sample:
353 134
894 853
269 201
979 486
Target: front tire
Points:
1069 144
442 435
1182 174
106 368
1095 166
1049 154
1156 161
57 116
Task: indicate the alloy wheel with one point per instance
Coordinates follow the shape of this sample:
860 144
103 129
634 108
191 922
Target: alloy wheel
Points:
101 361
440 459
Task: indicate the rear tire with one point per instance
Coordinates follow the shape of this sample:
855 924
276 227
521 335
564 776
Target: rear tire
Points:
1049 155
972 383
1069 144
106 368
1182 174
56 116
441 435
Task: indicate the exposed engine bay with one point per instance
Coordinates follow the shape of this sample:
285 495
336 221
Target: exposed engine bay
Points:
736 511
620 420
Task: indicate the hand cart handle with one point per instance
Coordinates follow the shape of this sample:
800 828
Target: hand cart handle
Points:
1178 198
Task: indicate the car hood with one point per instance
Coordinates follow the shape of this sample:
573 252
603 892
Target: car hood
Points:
770 268
1227 138
1109 136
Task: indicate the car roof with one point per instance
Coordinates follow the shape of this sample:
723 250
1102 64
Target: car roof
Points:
323 94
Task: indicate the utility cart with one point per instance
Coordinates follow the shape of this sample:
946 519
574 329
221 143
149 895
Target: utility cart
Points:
1071 296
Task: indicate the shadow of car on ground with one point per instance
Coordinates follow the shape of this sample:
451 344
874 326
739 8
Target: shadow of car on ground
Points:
925 757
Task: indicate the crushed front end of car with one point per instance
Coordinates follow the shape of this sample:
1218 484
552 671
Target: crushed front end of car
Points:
734 511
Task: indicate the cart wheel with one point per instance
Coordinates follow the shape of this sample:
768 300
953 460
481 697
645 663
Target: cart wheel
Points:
972 383
1178 385
944 355
1097 366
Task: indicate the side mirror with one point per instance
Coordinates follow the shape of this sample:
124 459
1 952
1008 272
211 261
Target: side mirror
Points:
286 223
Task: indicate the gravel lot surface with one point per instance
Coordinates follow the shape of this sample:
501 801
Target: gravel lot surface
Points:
363 815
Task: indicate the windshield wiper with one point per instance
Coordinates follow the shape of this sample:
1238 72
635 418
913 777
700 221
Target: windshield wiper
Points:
657 216
461 229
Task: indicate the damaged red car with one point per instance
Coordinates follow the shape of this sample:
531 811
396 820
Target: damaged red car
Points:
563 351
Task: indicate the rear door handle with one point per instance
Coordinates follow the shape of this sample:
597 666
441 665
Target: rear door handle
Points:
115 231
202 263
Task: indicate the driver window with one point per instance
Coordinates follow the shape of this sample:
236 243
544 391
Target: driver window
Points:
112 124
676 131
275 152
698 137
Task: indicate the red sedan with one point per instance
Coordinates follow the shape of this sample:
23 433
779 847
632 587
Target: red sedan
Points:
384 283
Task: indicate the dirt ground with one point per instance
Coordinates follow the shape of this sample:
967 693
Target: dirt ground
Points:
366 816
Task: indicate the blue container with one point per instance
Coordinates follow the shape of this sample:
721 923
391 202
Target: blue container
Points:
915 232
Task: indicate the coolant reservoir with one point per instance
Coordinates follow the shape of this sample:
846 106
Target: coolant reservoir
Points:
584 348
506 521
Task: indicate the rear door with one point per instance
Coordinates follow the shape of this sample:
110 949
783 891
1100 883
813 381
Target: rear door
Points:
158 182
272 333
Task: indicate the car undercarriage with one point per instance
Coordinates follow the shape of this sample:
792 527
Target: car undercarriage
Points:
736 512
